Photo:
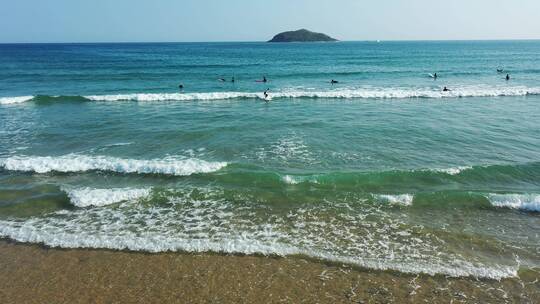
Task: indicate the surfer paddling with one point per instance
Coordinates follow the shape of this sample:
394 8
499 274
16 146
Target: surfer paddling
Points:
333 81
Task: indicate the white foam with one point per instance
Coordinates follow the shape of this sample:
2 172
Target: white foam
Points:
86 197
453 171
526 202
291 180
172 96
81 163
368 92
12 100
377 93
401 199
204 221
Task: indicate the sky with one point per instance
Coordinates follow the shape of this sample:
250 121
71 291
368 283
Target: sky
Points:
259 20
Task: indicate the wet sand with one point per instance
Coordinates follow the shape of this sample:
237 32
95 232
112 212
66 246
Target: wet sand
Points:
36 274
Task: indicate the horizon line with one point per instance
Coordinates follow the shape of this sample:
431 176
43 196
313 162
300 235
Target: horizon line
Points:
266 41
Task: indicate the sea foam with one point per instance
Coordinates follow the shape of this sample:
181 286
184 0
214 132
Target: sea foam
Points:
354 93
401 199
82 163
376 93
525 202
12 100
87 197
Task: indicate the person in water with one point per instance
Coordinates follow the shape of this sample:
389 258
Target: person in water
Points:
435 76
266 95
264 79
232 80
334 81
446 89
222 79
507 77
181 86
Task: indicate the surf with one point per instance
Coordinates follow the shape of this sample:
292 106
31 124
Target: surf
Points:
73 163
362 93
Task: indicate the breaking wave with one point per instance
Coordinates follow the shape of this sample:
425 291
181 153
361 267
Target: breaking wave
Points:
525 202
373 93
402 199
87 197
81 163
12 100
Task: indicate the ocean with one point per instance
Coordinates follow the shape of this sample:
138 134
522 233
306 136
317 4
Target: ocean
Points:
100 148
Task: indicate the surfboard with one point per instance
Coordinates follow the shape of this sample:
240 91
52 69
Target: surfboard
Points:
431 75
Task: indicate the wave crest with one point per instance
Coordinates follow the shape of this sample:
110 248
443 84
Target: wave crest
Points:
359 93
87 197
526 202
12 100
81 163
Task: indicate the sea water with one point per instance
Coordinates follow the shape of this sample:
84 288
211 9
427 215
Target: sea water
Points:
100 148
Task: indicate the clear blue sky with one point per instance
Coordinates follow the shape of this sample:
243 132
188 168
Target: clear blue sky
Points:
256 20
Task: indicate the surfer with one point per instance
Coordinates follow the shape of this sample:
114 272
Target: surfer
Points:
232 80
446 89
334 81
507 77
262 80
435 76
181 86
266 94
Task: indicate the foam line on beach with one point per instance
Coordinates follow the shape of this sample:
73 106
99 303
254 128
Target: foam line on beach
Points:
155 243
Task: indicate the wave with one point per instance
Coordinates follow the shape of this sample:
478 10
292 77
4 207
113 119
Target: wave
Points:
525 202
362 93
87 197
382 93
401 199
451 171
204 221
81 163
159 243
13 100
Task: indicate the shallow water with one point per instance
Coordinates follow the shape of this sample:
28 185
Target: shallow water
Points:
99 149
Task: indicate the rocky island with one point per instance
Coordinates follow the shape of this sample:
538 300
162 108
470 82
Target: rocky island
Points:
302 35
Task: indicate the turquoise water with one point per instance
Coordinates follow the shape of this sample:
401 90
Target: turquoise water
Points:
99 148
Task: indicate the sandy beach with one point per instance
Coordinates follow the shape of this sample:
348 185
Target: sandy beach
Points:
36 274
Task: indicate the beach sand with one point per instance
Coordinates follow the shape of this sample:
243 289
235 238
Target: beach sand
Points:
36 274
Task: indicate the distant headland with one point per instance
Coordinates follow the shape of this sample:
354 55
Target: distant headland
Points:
302 35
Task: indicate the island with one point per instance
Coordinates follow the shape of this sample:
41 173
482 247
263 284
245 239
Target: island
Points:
302 35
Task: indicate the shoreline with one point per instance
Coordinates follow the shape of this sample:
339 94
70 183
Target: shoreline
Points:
34 273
